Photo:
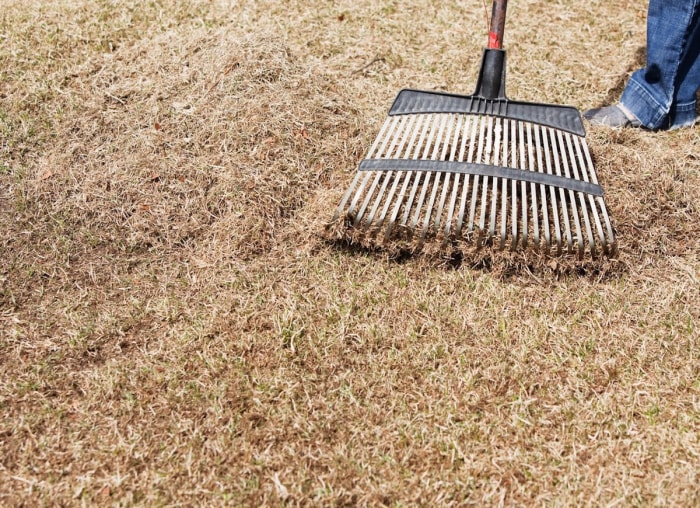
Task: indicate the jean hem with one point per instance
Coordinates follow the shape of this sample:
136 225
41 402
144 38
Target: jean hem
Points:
683 115
643 105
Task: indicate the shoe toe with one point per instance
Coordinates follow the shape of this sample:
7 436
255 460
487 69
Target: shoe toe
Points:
610 116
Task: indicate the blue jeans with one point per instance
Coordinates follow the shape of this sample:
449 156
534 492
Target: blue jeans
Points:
663 94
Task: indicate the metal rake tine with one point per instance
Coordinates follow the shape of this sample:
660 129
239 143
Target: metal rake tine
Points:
419 175
370 193
448 178
406 128
489 150
398 203
514 187
414 129
552 193
557 157
347 194
358 194
523 186
389 177
584 172
445 145
475 187
463 129
494 190
533 189
572 197
504 183
355 200
408 176
429 174
429 205
603 210
582 198
465 186
384 151
543 191
441 202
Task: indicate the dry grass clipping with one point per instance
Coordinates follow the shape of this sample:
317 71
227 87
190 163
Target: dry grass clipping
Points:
175 328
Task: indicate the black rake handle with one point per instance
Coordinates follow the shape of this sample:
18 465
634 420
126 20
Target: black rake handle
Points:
498 22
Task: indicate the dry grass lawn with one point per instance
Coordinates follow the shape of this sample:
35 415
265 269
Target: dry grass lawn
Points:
176 329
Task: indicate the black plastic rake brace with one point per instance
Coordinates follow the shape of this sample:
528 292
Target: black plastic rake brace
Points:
489 98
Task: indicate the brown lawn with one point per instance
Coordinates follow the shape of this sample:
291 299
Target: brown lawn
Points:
176 328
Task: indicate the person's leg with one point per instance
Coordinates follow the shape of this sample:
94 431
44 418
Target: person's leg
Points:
658 95
688 78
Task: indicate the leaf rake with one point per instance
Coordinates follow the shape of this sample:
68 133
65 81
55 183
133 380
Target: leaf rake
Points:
481 168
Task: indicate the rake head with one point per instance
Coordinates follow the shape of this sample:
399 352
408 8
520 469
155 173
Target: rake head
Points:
487 170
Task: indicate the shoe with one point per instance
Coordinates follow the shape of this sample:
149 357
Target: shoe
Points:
616 116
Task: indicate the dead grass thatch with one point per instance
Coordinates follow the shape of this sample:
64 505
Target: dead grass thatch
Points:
176 328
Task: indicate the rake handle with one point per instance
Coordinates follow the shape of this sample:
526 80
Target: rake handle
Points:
498 22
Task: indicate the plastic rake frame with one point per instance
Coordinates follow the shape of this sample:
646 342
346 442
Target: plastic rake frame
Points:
482 167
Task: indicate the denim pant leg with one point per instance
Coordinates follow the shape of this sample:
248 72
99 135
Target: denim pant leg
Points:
688 79
662 95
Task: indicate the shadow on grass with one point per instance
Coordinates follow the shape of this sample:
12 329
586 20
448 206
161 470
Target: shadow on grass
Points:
615 92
